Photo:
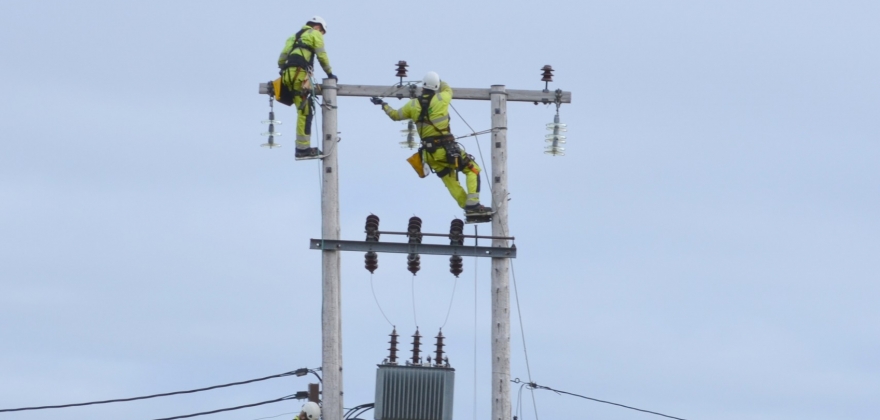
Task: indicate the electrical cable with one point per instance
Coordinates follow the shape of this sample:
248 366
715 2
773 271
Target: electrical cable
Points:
277 415
522 332
414 301
298 372
536 386
451 299
204 413
377 302
476 241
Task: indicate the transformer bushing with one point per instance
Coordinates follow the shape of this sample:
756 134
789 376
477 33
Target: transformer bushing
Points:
456 229
392 357
416 351
414 232
371 259
438 354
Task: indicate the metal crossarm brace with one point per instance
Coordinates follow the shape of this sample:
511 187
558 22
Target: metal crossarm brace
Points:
401 92
405 248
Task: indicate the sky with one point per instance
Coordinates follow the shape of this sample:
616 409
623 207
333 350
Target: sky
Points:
707 248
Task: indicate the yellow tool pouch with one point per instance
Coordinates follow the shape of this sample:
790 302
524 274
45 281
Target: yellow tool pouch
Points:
416 161
282 94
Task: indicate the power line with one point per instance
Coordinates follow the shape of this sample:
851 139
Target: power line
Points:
536 386
522 332
298 372
204 413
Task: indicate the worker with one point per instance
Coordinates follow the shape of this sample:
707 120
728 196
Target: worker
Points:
309 411
430 112
296 63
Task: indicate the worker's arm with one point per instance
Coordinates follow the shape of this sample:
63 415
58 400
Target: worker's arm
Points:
287 47
403 113
445 93
318 45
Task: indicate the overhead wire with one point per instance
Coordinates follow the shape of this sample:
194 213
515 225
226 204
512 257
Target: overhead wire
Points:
277 415
533 385
298 372
377 302
205 413
414 301
522 332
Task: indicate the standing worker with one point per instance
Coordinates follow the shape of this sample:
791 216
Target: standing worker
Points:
296 63
309 411
439 150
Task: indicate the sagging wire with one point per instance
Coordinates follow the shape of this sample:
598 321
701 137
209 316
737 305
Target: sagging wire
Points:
204 413
414 301
522 333
277 415
377 302
354 412
451 299
533 385
297 372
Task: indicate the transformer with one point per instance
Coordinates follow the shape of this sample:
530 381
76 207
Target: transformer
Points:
414 392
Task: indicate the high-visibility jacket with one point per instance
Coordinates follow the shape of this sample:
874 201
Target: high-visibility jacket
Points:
438 113
311 42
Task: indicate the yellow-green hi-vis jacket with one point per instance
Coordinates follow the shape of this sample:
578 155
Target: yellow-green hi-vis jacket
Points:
438 113
312 38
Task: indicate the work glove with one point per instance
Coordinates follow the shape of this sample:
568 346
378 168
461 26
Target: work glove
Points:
332 76
377 101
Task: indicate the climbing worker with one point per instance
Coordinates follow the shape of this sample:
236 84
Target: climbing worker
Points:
296 63
309 411
430 112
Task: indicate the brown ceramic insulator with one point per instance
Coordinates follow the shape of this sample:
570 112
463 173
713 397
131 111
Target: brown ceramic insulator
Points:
456 265
392 358
547 75
371 261
401 69
416 350
413 263
438 354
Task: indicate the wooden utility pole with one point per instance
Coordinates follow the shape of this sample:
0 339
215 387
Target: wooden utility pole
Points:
331 314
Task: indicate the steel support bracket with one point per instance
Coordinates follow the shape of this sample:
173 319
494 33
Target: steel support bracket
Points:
404 248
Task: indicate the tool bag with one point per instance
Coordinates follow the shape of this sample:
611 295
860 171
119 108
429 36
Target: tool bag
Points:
418 164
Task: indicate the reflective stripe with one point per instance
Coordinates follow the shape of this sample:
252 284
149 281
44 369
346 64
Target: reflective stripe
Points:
472 199
319 50
303 142
400 113
439 120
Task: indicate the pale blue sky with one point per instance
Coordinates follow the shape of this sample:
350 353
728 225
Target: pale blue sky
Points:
707 249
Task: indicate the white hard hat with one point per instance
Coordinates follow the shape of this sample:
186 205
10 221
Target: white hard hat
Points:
431 81
318 19
312 411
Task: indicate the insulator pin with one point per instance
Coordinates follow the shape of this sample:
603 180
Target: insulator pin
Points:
392 357
438 354
416 351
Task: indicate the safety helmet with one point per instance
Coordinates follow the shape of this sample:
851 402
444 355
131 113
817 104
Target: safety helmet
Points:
319 20
431 81
312 411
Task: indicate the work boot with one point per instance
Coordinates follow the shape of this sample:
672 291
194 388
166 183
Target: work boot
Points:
477 209
306 153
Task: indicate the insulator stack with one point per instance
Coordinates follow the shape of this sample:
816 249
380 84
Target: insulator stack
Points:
271 121
416 359
410 134
547 76
371 259
456 229
401 70
438 354
414 231
555 139
392 357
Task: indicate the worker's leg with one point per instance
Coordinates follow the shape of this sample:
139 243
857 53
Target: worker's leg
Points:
303 115
472 178
437 162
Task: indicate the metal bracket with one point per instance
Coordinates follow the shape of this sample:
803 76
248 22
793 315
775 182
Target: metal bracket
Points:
405 248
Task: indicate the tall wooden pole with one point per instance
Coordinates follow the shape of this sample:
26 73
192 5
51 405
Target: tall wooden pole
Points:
331 315
500 266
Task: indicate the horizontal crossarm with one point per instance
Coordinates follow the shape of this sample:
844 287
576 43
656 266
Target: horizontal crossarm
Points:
406 248
401 92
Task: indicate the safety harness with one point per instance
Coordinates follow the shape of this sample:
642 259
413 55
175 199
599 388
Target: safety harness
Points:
301 64
297 60
446 141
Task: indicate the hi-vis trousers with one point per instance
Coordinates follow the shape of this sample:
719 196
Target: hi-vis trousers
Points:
448 174
294 78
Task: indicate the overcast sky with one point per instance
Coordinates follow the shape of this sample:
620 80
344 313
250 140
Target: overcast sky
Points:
707 249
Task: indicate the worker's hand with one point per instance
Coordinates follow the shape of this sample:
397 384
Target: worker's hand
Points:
377 101
332 76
